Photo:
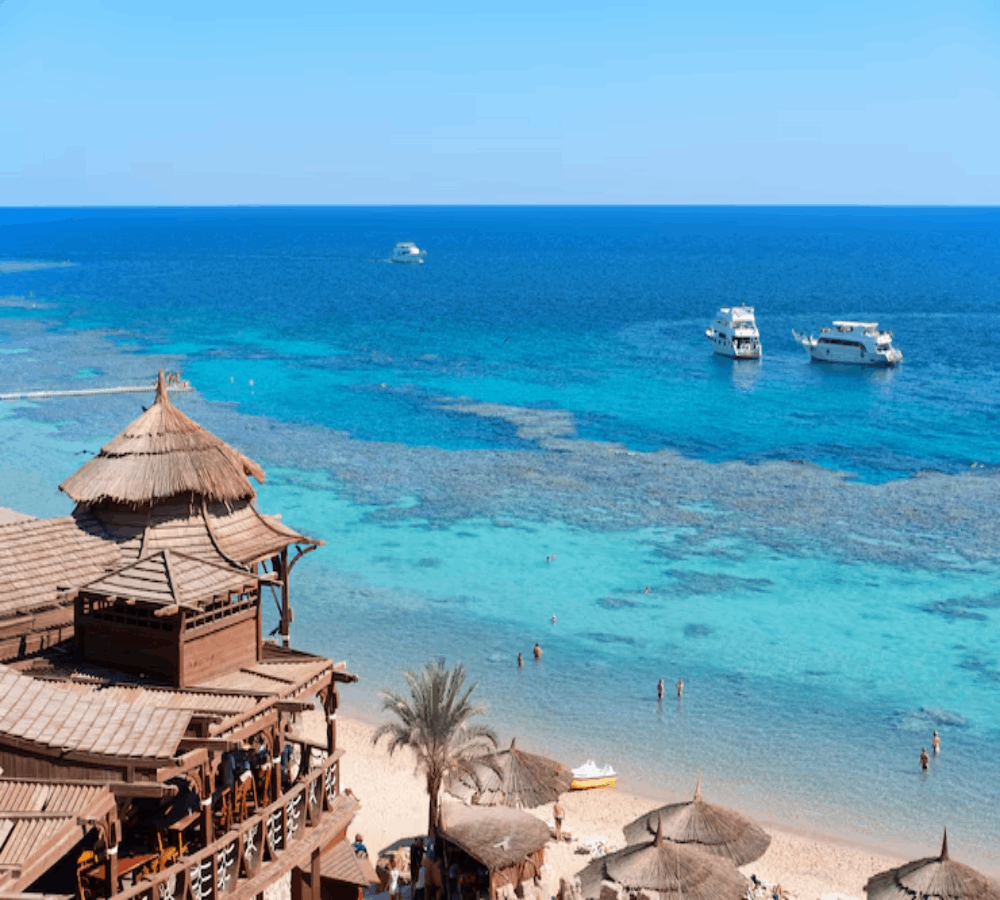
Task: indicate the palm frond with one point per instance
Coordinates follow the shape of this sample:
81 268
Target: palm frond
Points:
434 722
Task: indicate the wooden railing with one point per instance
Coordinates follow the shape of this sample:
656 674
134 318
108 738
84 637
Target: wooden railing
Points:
246 850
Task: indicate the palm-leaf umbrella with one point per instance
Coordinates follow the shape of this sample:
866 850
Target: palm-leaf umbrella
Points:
933 878
513 778
716 829
673 871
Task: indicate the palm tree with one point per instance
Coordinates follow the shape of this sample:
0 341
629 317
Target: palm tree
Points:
434 722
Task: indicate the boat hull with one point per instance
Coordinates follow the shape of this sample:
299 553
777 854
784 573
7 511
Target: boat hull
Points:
730 352
587 784
870 361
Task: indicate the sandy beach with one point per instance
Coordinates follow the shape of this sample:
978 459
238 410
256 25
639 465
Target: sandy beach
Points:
394 809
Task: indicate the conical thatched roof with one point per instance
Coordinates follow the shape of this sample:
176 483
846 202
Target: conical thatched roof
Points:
716 829
513 778
674 871
934 878
163 454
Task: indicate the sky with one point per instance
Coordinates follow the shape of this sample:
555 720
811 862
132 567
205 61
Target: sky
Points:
524 102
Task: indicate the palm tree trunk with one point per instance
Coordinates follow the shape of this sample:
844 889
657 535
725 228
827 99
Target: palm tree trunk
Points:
434 813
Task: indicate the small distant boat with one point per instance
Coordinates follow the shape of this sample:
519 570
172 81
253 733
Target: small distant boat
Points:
852 343
734 333
407 252
590 775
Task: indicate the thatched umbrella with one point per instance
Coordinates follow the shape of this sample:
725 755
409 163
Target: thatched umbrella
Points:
673 871
933 878
513 778
716 829
163 454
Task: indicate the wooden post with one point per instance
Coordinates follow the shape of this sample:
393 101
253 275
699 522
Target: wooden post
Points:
286 609
316 877
207 825
78 630
112 871
260 625
331 701
179 678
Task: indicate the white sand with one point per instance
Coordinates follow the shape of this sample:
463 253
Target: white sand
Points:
394 809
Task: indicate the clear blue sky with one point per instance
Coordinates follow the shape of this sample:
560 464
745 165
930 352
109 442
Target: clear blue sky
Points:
218 102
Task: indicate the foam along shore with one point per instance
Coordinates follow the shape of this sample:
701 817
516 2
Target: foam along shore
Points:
394 810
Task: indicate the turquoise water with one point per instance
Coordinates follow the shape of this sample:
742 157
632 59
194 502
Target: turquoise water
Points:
820 545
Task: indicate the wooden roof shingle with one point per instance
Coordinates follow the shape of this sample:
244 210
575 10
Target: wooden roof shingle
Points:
58 720
38 556
168 578
29 845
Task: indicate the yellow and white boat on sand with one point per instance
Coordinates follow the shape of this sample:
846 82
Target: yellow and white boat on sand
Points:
590 775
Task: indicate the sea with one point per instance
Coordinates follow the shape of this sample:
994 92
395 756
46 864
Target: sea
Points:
528 439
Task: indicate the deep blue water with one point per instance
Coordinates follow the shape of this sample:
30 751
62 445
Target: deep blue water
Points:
820 544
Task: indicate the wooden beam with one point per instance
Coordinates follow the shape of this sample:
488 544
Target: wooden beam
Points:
213 744
119 788
7 895
293 706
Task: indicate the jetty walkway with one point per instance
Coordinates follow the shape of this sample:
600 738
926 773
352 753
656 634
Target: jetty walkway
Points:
95 392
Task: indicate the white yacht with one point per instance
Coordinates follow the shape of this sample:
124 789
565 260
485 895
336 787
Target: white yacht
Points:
734 333
407 252
852 343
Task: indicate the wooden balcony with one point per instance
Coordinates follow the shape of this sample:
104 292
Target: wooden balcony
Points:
241 862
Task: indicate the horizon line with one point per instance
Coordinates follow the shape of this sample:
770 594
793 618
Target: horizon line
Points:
382 205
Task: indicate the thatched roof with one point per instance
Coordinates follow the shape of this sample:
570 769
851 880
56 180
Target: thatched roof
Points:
495 836
933 878
716 829
674 871
513 778
163 454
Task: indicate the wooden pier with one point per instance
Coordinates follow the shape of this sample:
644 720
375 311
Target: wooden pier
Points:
183 387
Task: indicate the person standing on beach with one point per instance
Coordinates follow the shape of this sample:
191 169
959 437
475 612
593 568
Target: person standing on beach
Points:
680 688
558 815
936 743
416 858
394 892
659 689
537 651
925 760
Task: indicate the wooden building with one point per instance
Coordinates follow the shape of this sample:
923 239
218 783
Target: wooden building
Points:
164 483
154 746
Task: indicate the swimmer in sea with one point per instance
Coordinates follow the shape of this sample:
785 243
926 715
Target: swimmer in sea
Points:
520 661
925 760
659 689
680 688
553 618
936 743
537 651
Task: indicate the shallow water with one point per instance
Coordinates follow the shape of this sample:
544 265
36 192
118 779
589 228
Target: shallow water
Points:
821 553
